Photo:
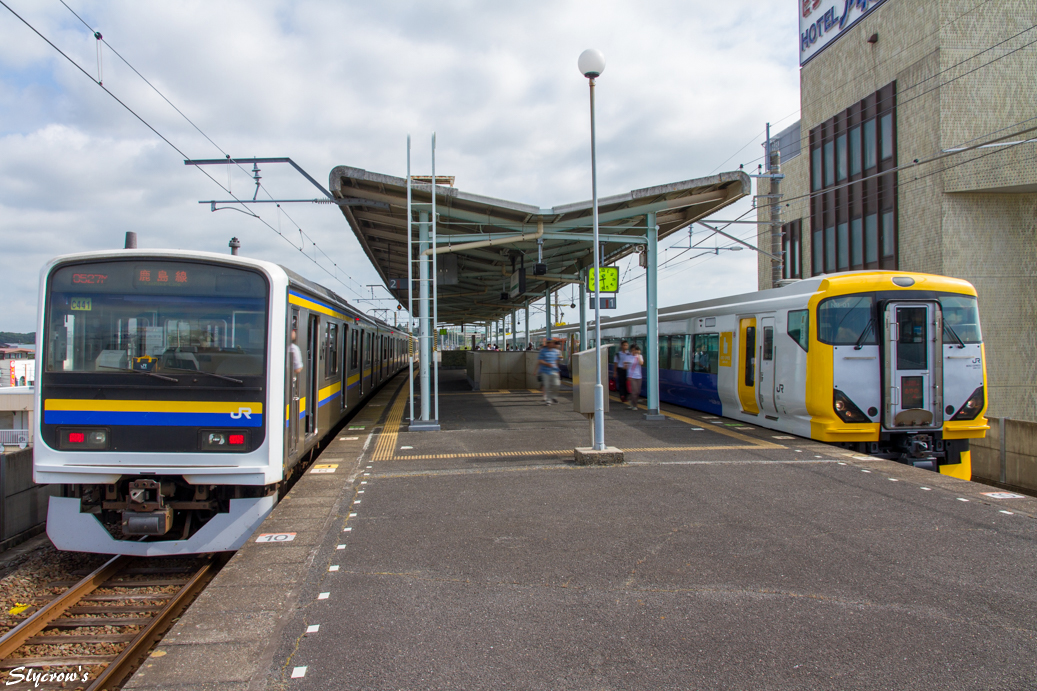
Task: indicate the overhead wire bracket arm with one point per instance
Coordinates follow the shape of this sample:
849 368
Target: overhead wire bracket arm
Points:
233 161
740 242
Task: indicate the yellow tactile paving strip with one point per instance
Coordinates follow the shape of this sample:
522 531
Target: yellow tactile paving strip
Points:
386 446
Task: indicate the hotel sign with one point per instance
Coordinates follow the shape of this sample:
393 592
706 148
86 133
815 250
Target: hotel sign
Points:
823 21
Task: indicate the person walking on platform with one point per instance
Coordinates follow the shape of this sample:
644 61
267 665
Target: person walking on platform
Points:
620 363
548 370
634 364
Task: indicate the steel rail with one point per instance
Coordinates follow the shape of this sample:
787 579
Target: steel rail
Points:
16 637
128 660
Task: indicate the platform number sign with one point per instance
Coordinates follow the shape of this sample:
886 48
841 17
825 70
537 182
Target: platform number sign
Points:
607 303
276 537
609 279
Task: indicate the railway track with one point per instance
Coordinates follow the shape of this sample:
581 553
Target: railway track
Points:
115 605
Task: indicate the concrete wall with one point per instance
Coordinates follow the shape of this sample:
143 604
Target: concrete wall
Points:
973 215
23 504
1020 455
489 370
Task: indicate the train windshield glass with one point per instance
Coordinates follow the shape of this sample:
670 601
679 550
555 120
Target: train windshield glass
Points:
961 317
847 320
151 316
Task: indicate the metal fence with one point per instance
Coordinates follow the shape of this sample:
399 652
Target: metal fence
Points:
15 437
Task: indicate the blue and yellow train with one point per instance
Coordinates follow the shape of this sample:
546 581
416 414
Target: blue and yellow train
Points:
162 380
884 362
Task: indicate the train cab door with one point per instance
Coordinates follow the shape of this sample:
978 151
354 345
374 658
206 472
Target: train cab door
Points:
747 365
765 365
312 371
913 366
294 390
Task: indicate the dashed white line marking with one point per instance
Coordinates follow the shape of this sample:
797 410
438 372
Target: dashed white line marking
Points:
324 596
367 474
363 482
359 491
368 467
350 438
696 429
346 530
1009 513
406 447
893 479
927 489
962 499
298 673
773 437
798 451
333 568
313 628
841 463
341 547
356 501
352 515
865 471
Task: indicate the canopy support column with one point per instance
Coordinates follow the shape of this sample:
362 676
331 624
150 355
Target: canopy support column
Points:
583 310
547 311
527 324
652 310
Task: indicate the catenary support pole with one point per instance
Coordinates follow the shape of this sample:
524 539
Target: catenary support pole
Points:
514 329
583 310
435 285
547 312
410 290
424 341
652 311
527 324
599 391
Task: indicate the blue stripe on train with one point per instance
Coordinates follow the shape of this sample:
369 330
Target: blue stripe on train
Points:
144 419
329 399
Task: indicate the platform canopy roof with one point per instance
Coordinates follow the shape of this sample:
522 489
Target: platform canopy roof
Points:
504 233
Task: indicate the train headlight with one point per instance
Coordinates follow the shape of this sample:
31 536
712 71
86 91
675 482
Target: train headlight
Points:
82 439
223 440
970 409
846 409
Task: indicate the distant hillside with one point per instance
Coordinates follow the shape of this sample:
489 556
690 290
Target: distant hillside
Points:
12 337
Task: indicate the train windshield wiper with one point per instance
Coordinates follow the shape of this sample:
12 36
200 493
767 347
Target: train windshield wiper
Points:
140 371
864 334
948 328
211 374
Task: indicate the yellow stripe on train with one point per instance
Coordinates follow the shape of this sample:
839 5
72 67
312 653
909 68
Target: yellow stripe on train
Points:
124 406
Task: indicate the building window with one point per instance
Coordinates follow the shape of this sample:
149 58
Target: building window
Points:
792 249
840 158
887 136
869 145
854 186
855 151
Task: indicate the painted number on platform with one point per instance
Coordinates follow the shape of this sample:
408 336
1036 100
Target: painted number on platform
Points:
276 537
324 468
1003 495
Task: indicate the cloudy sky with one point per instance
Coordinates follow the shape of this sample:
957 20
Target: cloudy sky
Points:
687 89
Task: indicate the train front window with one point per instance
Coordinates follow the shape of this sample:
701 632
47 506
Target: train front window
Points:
846 320
960 318
156 315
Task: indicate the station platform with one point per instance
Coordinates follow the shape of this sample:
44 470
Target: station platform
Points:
719 556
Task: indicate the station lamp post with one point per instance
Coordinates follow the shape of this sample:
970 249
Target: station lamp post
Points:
592 64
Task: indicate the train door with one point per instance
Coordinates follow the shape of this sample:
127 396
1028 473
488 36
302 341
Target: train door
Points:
913 364
344 368
747 365
312 372
766 354
294 386
361 384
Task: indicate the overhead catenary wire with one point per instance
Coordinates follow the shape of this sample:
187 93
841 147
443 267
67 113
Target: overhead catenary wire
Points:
100 84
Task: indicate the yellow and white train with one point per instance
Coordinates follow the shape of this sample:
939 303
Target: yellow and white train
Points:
883 362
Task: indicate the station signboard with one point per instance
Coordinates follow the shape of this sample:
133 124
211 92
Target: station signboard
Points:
823 21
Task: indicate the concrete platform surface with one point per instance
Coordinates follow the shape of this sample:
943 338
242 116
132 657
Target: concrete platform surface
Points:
720 556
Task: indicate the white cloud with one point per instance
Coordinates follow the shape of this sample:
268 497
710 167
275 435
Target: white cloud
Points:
686 85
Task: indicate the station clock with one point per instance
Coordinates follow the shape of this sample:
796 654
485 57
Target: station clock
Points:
609 279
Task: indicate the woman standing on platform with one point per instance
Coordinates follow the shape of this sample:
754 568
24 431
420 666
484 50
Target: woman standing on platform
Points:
634 364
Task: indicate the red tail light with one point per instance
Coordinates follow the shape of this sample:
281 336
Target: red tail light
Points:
76 437
236 439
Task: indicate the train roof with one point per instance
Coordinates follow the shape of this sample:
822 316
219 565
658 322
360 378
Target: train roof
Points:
293 277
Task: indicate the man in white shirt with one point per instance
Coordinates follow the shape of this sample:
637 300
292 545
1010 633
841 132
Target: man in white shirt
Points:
296 353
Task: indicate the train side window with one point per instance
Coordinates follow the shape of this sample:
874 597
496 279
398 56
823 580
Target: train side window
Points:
706 358
331 350
799 328
679 353
664 352
768 343
750 356
353 359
